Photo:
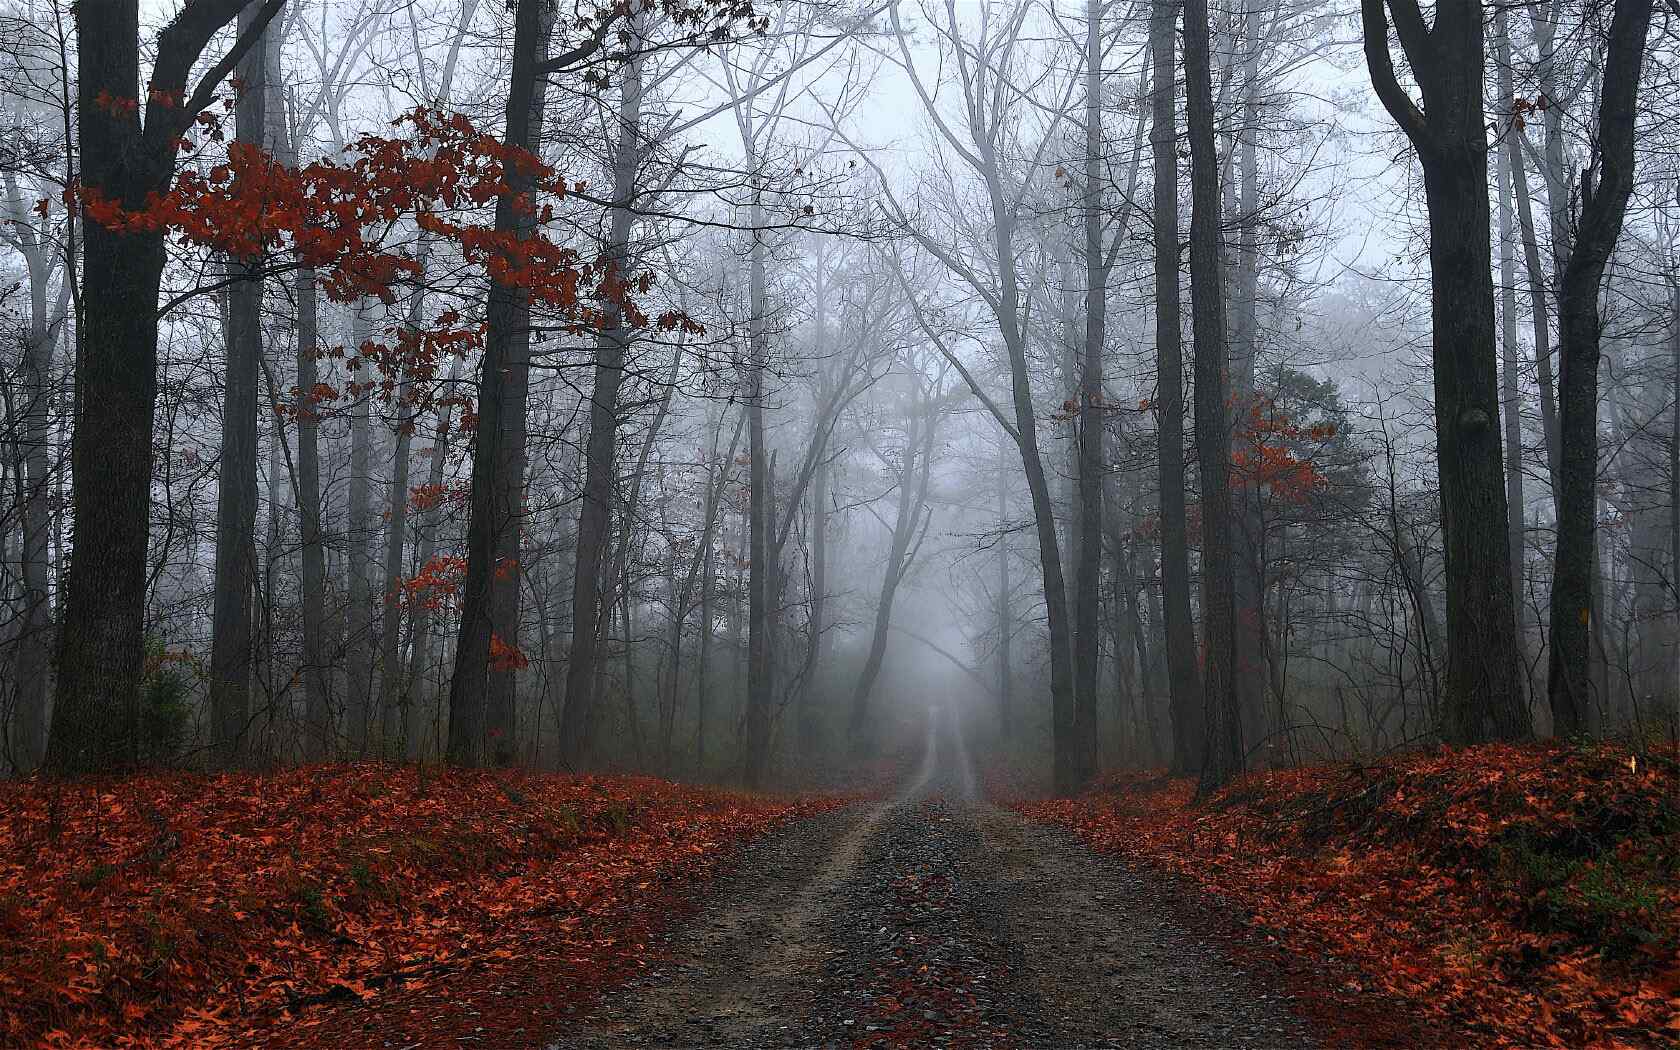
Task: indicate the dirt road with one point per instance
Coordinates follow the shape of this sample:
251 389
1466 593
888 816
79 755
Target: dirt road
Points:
937 920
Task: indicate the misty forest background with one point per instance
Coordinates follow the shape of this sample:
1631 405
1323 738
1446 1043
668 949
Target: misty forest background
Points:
1214 386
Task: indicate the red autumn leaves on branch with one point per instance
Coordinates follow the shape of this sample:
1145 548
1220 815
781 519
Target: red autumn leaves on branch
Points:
1514 896
181 910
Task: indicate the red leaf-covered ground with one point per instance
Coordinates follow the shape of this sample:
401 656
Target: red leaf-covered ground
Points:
293 908
1517 896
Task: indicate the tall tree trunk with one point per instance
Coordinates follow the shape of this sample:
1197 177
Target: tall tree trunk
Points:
360 538
481 689
101 644
1248 552
755 742
394 700
1213 430
1184 677
1510 392
810 721
577 724
34 466
1483 700
232 631
1005 608
1535 272
1087 628
1674 489
1599 225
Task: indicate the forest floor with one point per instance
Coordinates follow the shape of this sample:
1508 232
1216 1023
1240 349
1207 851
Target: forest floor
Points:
935 919
1497 897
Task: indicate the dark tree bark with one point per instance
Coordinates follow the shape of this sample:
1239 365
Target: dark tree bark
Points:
360 539
1087 594
1482 697
755 734
101 649
233 628
1604 191
577 723
1248 558
1224 757
1184 677
480 691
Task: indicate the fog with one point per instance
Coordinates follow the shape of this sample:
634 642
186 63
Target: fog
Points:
712 390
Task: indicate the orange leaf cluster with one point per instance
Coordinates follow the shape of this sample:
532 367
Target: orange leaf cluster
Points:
183 910
336 213
1521 896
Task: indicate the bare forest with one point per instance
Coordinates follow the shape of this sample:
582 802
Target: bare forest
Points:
547 524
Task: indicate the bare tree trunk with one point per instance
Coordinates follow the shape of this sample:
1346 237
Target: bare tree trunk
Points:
755 743
232 632
1597 229
101 644
1005 608
1087 601
1511 395
1184 678
360 537
577 724
1483 700
34 474
420 623
394 699
1535 271
1674 491
1213 433
481 714
1248 552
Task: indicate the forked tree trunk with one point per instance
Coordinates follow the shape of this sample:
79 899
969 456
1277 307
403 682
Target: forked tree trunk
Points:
101 645
1482 698
1597 228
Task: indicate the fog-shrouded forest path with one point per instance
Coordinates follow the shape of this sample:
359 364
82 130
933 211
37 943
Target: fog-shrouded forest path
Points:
937 919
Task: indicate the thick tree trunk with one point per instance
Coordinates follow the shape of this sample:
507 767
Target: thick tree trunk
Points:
1213 433
1597 229
1184 677
1483 700
481 716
